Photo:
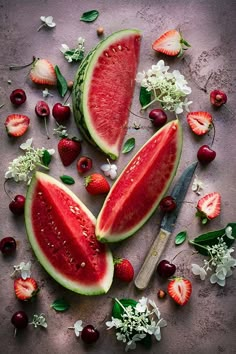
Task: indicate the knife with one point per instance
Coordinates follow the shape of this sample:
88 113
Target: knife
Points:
167 225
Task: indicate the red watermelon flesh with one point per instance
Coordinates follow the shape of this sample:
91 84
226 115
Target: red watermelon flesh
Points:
61 232
140 187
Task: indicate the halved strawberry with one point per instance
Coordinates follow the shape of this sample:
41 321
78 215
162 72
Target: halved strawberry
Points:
209 207
17 124
43 73
200 122
25 289
180 290
170 43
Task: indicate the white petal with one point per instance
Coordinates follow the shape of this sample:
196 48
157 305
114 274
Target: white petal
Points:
213 279
27 144
51 24
51 151
49 19
113 174
196 269
43 18
202 274
105 167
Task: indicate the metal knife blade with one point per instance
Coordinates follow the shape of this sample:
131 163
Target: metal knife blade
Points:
167 225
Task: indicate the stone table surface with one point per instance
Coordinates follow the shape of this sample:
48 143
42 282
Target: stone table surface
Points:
207 322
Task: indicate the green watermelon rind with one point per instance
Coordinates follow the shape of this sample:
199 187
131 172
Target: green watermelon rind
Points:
109 238
80 93
96 289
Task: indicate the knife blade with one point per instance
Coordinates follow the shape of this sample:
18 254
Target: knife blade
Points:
167 225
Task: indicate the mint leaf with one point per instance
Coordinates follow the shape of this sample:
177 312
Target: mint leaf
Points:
61 82
180 237
46 158
144 96
129 145
60 305
67 179
89 16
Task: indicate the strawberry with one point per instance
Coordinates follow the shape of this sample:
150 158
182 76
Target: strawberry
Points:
209 207
69 150
43 73
123 270
16 124
200 122
170 43
25 289
180 290
96 184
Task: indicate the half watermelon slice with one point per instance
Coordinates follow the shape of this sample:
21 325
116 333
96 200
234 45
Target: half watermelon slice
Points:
141 186
61 232
103 90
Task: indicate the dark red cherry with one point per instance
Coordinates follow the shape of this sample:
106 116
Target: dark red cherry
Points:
89 334
167 204
84 164
218 98
205 154
61 112
20 320
18 97
166 269
158 117
17 205
7 245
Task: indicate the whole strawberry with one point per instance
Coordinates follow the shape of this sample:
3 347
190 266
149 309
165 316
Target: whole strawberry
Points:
69 150
180 290
123 270
96 184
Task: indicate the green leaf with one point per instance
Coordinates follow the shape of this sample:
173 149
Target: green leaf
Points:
117 309
145 96
211 238
89 16
46 158
180 237
183 41
60 305
67 179
61 82
129 145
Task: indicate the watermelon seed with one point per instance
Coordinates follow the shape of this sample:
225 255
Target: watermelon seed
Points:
42 230
119 47
64 242
82 264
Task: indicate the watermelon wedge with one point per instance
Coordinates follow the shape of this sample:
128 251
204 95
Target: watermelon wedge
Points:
61 232
141 186
103 90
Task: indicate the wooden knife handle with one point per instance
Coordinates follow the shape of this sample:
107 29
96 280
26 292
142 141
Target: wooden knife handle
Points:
153 256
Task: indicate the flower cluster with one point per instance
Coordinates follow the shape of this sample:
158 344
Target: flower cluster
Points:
197 185
75 54
170 89
39 320
21 168
135 323
109 170
23 269
220 259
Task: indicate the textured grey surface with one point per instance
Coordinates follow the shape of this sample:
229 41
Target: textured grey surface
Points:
207 322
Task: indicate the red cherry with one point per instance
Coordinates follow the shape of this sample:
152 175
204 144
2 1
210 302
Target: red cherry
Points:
218 98
205 154
158 117
42 109
167 204
61 112
89 334
20 320
7 245
166 269
84 164
18 97
17 205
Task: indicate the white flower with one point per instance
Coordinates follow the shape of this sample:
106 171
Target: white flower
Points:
77 327
197 270
132 343
75 54
24 270
64 48
155 308
142 305
109 170
228 232
27 144
46 93
39 320
47 21
214 279
115 322
197 185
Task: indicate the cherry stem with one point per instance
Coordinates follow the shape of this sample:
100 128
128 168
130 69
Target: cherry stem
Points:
214 133
15 67
46 128
178 254
229 110
4 186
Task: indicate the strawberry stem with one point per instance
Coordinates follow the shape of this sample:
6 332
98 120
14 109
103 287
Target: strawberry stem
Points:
16 67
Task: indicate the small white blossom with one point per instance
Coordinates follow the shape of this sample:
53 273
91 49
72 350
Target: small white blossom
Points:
46 93
27 144
109 170
77 327
74 54
22 269
64 48
197 185
142 304
47 21
39 320
197 270
228 232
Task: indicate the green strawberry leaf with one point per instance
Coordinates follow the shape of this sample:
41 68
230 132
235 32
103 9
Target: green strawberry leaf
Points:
117 309
89 16
46 158
61 82
60 305
129 145
211 238
145 96
67 179
180 237
183 41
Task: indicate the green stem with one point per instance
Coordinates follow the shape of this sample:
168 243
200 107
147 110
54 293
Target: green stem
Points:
122 307
149 104
41 165
197 244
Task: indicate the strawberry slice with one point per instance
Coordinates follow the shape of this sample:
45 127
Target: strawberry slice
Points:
209 207
200 122
17 124
180 290
43 73
25 289
170 43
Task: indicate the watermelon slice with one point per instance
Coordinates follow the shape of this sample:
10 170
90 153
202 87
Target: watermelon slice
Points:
61 232
103 90
141 186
